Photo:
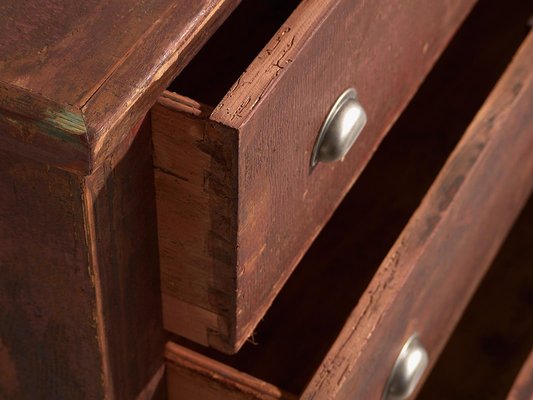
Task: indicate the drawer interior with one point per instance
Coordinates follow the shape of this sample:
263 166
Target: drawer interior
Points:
495 335
306 317
218 65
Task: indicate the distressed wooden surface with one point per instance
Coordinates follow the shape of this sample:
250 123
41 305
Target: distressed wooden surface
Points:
275 111
81 305
49 341
220 62
193 376
279 104
76 76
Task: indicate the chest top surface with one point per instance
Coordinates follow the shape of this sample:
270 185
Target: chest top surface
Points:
80 68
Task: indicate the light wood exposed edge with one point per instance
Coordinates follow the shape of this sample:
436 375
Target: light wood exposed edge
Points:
195 172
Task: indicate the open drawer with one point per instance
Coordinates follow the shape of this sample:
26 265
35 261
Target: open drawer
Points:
238 198
423 282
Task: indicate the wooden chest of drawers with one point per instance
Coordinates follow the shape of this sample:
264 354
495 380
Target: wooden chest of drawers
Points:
167 186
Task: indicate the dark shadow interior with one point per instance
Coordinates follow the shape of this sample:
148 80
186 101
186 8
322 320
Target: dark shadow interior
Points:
306 317
231 49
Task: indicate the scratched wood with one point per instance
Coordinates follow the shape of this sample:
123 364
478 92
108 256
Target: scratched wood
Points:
75 77
271 118
430 273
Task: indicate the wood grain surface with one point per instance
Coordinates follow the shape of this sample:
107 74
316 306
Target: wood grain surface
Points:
80 306
494 337
119 198
274 111
49 340
293 338
75 77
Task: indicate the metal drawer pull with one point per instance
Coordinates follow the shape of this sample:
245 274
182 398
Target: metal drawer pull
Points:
407 371
342 126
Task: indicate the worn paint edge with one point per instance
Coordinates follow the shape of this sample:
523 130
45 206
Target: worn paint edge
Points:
99 315
61 126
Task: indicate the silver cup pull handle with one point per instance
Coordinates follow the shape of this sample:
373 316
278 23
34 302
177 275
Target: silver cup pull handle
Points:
407 371
345 121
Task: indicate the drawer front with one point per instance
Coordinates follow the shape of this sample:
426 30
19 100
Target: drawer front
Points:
430 273
257 146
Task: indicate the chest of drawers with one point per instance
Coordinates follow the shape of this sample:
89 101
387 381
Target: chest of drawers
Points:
168 171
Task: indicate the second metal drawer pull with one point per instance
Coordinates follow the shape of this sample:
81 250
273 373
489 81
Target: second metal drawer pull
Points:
407 371
342 126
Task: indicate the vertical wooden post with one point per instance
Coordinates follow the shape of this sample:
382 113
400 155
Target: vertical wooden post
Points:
79 281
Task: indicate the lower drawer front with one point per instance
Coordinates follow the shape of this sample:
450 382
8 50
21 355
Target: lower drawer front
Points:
435 265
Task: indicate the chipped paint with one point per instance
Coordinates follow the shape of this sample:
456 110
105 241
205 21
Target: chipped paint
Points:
65 120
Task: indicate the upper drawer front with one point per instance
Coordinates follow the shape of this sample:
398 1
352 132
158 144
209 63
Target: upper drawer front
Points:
249 196
435 265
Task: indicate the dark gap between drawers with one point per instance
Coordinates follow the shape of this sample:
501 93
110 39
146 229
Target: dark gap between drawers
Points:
495 335
311 309
226 55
